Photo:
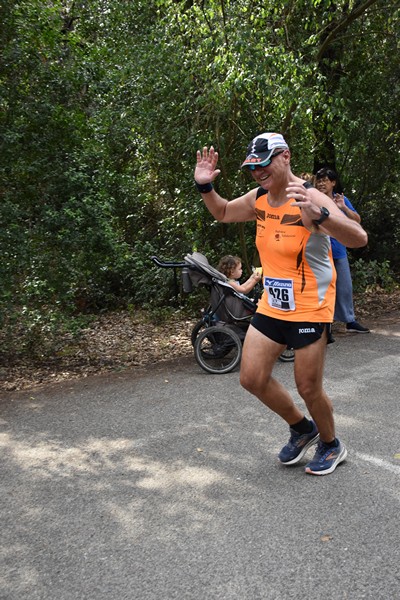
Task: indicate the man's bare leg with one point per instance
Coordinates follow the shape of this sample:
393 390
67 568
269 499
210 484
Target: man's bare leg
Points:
259 357
308 372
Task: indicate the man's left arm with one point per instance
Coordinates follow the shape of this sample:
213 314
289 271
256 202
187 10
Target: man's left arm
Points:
332 220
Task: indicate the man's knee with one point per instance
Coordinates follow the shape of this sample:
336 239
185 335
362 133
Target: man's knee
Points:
314 396
254 382
308 389
246 381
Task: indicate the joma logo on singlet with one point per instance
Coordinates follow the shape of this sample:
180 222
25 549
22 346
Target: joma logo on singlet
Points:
270 216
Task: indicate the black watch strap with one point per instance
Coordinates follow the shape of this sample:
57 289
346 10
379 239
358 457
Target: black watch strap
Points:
324 215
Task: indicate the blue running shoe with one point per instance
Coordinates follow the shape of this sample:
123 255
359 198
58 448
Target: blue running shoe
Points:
326 459
298 445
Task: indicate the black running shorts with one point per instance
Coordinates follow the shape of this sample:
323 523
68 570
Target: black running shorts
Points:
293 334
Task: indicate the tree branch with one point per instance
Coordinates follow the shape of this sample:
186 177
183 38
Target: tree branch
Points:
342 25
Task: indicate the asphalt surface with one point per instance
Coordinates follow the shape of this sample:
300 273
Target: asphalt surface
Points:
166 485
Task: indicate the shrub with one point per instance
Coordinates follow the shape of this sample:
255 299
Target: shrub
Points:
372 274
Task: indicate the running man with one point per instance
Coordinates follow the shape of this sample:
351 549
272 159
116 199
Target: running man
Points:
294 222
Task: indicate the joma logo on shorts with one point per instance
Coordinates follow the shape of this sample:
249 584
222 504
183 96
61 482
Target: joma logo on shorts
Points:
307 330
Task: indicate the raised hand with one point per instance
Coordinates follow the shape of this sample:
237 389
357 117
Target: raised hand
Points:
205 171
339 201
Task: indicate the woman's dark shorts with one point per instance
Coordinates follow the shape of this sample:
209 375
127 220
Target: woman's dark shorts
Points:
293 334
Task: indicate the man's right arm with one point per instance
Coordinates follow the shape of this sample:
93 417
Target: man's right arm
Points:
233 211
240 209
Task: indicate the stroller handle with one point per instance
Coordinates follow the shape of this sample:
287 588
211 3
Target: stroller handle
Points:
167 264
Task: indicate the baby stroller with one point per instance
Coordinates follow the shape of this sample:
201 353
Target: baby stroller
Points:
217 338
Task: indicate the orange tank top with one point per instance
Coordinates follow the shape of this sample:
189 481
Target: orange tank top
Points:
299 276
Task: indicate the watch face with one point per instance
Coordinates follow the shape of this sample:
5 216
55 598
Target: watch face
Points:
324 215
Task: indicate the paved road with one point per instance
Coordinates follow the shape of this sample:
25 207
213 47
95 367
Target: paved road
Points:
166 486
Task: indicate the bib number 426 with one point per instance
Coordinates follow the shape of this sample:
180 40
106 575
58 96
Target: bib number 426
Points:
280 293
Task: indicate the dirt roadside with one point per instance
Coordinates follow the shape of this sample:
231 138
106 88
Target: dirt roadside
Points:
119 341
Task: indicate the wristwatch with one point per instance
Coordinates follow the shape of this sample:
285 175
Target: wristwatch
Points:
324 215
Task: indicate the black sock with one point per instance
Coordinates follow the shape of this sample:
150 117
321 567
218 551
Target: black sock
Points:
333 444
303 426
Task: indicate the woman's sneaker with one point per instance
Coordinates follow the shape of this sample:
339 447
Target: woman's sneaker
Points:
298 445
355 327
326 459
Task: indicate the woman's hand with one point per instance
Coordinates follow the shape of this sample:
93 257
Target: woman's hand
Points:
339 201
205 171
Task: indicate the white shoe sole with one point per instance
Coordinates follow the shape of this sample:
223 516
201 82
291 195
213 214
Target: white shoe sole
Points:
342 456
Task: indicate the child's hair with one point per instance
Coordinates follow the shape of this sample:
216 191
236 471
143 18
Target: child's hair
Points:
308 177
228 264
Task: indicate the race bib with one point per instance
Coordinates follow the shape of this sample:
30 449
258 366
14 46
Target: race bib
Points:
280 293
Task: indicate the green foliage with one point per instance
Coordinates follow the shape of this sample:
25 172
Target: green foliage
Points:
36 333
371 275
104 105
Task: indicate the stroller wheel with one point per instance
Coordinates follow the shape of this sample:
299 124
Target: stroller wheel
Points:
287 355
218 349
196 330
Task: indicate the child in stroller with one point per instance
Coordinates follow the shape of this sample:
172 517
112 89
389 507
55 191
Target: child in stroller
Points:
231 267
218 336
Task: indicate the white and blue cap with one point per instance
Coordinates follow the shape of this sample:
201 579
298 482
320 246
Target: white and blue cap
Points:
262 148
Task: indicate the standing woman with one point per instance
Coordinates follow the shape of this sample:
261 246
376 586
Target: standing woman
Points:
326 180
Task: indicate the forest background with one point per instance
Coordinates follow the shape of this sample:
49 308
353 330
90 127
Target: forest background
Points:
103 106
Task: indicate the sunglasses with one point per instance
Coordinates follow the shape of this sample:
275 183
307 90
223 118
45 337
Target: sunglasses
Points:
265 163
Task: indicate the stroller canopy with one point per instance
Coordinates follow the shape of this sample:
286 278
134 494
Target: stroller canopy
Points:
200 262
230 304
